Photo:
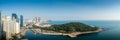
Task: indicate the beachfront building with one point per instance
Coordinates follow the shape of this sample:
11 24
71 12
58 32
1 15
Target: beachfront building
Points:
11 27
36 21
46 25
6 25
1 27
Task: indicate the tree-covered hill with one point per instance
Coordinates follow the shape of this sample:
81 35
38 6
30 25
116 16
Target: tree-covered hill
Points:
72 27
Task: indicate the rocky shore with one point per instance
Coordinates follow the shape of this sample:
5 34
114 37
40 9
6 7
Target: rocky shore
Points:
72 35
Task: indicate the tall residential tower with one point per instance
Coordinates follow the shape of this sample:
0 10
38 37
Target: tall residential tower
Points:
14 15
21 20
1 27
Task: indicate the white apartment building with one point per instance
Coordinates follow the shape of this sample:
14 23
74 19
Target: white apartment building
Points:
6 25
11 27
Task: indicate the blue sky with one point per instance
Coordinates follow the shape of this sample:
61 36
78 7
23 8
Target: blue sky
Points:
63 9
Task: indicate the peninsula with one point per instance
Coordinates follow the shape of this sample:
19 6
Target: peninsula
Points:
71 29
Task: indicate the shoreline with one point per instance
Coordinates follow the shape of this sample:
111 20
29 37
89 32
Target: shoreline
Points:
75 34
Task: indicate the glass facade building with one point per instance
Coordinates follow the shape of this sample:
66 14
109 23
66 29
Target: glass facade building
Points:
21 20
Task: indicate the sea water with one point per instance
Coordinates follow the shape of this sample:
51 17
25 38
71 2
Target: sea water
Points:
112 32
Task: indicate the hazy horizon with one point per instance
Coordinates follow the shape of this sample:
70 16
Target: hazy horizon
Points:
63 9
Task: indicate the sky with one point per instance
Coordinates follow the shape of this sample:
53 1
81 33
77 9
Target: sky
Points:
63 9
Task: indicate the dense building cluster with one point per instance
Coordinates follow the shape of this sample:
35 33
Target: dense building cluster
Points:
10 26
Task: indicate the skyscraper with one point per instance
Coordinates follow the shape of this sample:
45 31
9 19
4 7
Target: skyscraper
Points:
7 27
37 20
11 27
1 28
21 20
14 15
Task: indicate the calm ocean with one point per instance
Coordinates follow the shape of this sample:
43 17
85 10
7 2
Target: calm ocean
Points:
112 32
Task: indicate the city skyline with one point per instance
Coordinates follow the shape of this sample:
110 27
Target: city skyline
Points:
11 26
63 9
